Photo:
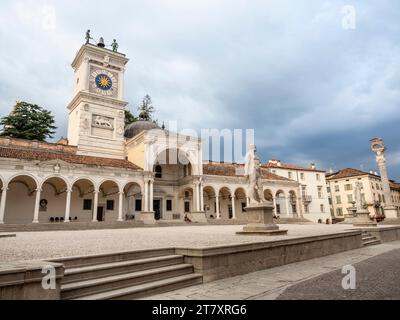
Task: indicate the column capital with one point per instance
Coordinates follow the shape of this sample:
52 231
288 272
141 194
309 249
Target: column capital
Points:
5 188
39 190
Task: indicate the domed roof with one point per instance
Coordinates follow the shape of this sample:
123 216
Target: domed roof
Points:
137 127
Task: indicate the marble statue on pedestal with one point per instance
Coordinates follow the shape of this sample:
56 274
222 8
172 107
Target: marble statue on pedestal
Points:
360 217
253 172
259 211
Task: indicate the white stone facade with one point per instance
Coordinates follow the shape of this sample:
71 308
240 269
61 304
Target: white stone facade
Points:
312 189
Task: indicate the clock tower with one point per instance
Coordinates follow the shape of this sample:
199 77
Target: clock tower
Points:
96 113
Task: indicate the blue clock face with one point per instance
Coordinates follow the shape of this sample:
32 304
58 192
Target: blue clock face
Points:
103 82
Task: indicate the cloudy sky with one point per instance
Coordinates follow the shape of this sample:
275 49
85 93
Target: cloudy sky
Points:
315 79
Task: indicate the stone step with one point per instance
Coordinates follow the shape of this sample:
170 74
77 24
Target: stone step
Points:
371 243
116 268
367 238
148 289
100 285
84 261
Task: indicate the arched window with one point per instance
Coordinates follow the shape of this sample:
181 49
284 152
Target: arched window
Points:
158 171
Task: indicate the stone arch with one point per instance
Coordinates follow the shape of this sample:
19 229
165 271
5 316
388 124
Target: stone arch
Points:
225 202
83 178
268 195
209 200
293 203
37 182
21 199
108 200
281 203
133 196
53 199
241 193
55 177
187 195
155 158
83 199
240 203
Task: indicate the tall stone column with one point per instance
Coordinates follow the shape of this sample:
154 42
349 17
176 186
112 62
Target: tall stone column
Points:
151 195
68 206
95 205
37 204
146 196
197 196
147 214
120 206
201 197
3 204
233 207
378 147
287 203
217 207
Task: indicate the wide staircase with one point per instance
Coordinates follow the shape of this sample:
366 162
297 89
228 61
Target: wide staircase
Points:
369 240
128 275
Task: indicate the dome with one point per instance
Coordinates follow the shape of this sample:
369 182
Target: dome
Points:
137 127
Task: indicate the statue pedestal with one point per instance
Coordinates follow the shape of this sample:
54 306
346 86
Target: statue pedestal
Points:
147 217
198 217
261 221
362 219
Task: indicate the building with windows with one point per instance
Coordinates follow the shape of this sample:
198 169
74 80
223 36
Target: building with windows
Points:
341 186
106 172
312 188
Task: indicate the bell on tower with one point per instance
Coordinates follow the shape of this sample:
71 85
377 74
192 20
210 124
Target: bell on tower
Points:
101 43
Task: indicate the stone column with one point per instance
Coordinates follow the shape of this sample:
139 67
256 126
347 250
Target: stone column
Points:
217 207
95 205
247 201
385 180
151 191
145 196
233 207
201 197
378 147
37 204
68 206
3 203
197 196
287 203
120 206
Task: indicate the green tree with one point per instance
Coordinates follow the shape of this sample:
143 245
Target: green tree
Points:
129 118
28 121
146 109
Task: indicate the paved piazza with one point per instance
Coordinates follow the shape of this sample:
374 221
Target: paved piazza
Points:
54 244
316 279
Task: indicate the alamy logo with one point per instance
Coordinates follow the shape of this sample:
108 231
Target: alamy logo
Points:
49 280
349 281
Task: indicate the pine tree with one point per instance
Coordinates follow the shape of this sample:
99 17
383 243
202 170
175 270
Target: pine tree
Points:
28 121
146 109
